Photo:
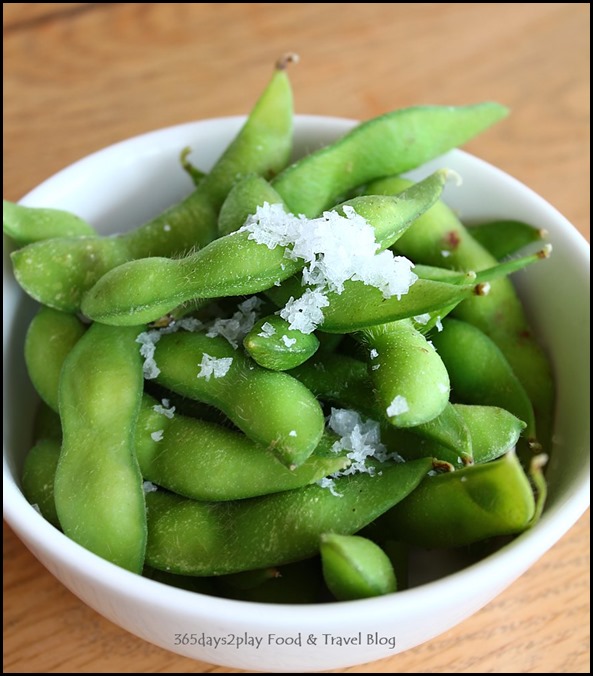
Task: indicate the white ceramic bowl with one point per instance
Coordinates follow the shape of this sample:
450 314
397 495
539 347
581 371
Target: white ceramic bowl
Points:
122 186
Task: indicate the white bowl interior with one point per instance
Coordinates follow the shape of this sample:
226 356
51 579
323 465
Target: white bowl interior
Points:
124 185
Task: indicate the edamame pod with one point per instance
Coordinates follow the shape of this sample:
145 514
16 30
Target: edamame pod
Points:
271 408
506 238
446 437
410 380
50 338
98 485
275 346
493 430
466 506
345 381
205 538
38 478
205 461
439 238
361 306
141 291
25 225
58 272
389 144
355 567
479 372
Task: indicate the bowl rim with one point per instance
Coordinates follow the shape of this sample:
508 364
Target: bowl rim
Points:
517 555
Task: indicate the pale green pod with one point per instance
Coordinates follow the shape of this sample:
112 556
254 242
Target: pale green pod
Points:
409 377
274 345
355 567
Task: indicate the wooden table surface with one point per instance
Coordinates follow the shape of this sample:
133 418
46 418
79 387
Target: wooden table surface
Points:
80 76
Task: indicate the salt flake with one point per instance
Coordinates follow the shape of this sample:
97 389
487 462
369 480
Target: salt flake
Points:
213 366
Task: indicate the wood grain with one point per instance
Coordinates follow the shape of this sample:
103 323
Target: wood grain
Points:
76 81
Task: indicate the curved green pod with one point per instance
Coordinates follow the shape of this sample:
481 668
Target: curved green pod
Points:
491 432
25 225
58 272
50 338
98 485
499 314
345 381
274 345
480 373
355 567
506 238
361 306
206 538
410 380
466 506
39 472
271 408
389 144
494 431
205 461
141 291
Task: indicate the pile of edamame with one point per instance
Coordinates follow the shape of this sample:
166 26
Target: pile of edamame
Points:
275 388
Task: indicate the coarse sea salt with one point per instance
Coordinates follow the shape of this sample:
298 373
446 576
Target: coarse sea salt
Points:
267 330
149 487
289 342
335 247
157 436
361 439
149 339
216 367
239 325
164 408
398 406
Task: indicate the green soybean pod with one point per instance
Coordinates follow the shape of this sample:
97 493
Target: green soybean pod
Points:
480 373
355 567
499 314
274 345
389 144
493 430
98 485
507 237
271 408
58 272
447 438
361 306
466 506
25 225
206 538
38 476
345 381
141 291
50 338
205 461
409 377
